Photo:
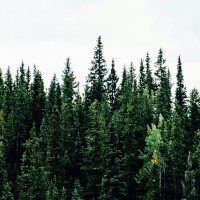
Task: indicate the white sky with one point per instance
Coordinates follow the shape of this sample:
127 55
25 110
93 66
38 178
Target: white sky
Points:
46 32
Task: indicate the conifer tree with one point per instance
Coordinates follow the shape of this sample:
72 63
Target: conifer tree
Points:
5 189
194 117
113 183
149 79
188 185
176 158
53 163
112 86
180 96
52 192
142 78
1 90
196 163
31 179
96 79
38 99
163 90
78 191
95 137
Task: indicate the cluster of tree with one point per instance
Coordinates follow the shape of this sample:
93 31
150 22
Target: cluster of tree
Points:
124 141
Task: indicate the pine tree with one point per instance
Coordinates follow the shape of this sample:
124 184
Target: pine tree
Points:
52 192
54 171
5 189
54 96
96 78
19 123
163 90
188 185
95 137
31 180
194 117
2 90
112 86
113 184
196 163
176 158
180 97
78 191
149 79
38 99
142 78
69 84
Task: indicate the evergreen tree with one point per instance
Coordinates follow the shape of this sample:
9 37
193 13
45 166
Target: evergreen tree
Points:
96 78
95 137
1 90
142 78
113 184
54 96
5 189
38 99
52 192
78 191
194 117
180 97
149 79
163 90
19 123
176 158
112 86
8 95
188 184
196 163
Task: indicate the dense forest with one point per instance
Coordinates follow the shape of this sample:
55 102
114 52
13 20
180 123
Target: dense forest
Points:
125 138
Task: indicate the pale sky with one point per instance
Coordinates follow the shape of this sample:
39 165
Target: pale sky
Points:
46 32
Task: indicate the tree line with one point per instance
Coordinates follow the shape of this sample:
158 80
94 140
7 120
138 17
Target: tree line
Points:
122 139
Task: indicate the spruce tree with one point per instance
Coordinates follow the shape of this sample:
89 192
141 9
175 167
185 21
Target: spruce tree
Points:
163 88
96 81
176 158
180 96
113 183
95 137
149 79
1 90
78 191
38 99
188 185
112 86
142 78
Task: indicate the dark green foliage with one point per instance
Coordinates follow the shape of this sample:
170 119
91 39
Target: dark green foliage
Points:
176 158
180 98
2 90
38 99
149 79
194 117
189 191
142 77
113 183
112 86
95 138
78 191
96 78
163 90
116 143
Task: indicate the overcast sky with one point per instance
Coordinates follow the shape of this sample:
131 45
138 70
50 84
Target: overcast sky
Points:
46 32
